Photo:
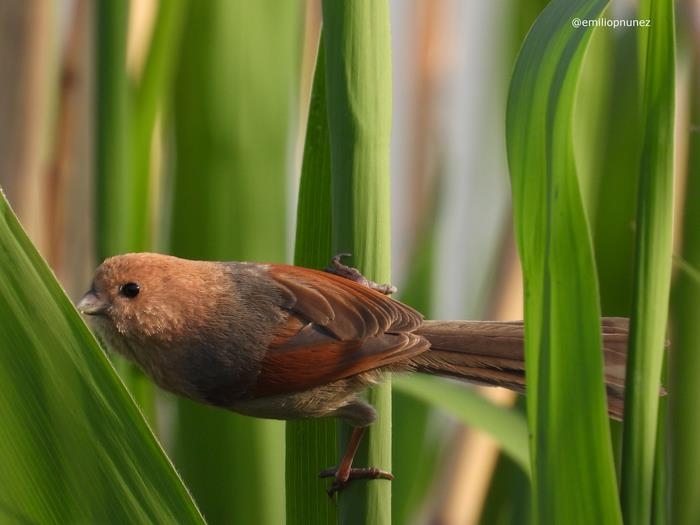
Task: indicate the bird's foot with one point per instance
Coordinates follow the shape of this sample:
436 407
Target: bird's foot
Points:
343 270
342 479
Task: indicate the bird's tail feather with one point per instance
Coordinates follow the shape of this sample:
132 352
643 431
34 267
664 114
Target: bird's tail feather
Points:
492 353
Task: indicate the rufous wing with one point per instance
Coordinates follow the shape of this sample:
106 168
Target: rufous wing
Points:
336 329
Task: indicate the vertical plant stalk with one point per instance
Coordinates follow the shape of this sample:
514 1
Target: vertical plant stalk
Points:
115 187
573 474
124 132
151 94
358 84
312 445
652 267
119 206
684 391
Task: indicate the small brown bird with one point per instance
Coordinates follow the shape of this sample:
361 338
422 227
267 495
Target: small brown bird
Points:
284 342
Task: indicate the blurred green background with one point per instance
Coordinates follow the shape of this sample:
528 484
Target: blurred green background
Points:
181 127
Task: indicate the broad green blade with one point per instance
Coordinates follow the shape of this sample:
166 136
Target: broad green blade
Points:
358 85
573 474
235 81
590 111
616 187
73 446
652 273
505 425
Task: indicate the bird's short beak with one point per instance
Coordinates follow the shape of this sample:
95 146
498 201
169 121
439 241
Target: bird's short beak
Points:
90 304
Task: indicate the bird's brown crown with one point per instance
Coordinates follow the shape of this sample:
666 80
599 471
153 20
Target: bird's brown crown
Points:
148 295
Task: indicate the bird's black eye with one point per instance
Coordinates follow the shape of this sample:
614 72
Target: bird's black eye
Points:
129 290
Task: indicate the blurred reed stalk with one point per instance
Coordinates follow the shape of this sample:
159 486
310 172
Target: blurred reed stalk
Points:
235 81
684 362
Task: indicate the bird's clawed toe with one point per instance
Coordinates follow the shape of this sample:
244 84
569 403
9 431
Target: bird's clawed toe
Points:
342 479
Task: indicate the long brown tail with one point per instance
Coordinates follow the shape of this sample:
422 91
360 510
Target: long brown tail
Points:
492 353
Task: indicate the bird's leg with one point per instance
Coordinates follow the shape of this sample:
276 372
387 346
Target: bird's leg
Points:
343 270
344 473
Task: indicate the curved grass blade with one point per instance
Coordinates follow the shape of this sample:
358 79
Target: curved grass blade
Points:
573 474
73 446
417 451
505 425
